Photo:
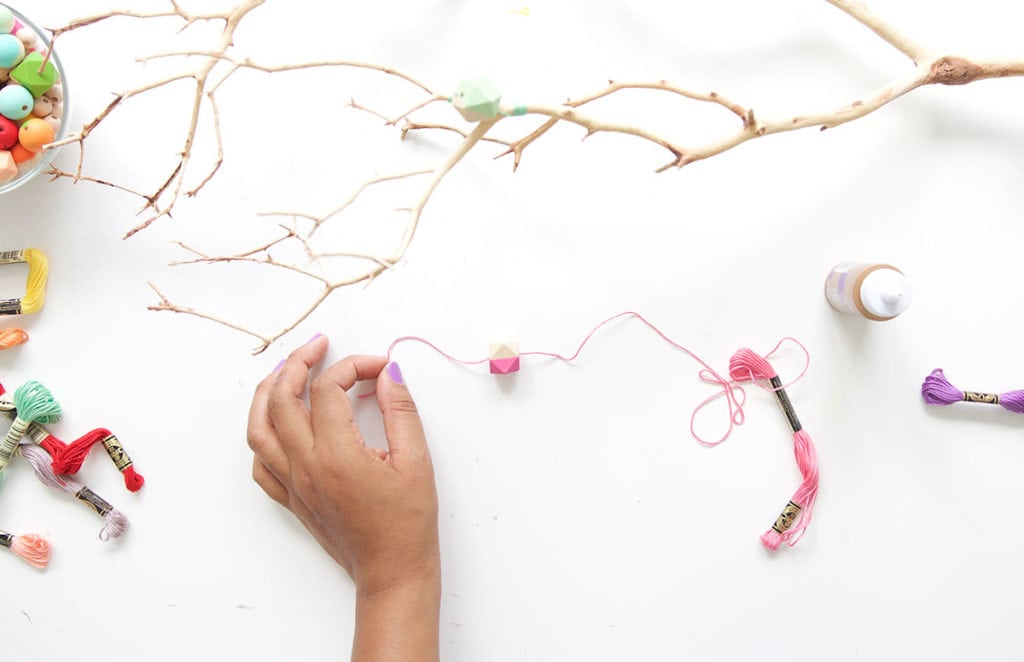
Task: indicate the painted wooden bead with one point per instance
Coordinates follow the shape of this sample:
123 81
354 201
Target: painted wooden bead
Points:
22 155
8 133
53 121
55 94
12 51
28 37
6 19
15 102
57 110
477 99
36 73
35 134
504 358
42 107
8 168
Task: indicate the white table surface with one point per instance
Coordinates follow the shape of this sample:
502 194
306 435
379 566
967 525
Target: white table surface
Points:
579 519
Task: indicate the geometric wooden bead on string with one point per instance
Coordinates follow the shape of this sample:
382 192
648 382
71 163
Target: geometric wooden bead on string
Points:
504 358
477 99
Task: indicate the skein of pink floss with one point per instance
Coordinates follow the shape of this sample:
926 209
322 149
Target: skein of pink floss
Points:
936 390
32 548
114 521
789 527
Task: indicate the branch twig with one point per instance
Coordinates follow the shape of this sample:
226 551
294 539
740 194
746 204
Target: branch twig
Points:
209 69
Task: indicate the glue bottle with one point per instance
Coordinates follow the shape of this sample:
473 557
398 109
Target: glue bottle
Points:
870 289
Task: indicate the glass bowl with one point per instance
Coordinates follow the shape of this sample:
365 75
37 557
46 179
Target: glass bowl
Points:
32 167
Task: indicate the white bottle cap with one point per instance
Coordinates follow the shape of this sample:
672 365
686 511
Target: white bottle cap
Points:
885 293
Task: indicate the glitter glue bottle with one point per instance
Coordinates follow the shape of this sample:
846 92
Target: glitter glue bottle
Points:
870 289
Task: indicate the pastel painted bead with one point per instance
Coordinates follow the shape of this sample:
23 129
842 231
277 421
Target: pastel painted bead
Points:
8 133
477 99
35 134
28 37
53 121
6 19
22 155
36 73
504 358
16 102
55 94
8 167
42 107
12 51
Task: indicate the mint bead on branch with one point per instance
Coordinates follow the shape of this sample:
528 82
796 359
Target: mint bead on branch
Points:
35 404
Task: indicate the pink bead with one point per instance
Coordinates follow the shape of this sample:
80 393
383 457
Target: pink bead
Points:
504 358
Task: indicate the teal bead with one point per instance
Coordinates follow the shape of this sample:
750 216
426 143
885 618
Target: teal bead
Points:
12 51
16 102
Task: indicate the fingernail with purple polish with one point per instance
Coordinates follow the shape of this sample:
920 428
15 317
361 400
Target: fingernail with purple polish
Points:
395 373
279 364
314 338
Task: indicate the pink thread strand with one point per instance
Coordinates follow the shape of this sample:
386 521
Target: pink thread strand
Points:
730 389
745 366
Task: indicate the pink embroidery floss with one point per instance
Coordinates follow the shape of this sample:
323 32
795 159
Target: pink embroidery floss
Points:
936 390
745 366
791 524
114 521
32 548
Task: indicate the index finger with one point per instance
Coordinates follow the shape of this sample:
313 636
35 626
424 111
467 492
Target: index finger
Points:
286 406
333 425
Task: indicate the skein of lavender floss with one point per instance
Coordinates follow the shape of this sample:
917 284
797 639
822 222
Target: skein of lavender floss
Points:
115 523
937 390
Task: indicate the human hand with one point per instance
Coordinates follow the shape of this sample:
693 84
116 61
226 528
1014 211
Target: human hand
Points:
373 511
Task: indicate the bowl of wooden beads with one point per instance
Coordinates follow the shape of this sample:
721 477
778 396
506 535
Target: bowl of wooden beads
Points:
33 106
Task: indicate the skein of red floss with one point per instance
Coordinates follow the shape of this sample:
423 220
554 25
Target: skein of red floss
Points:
789 527
936 390
69 460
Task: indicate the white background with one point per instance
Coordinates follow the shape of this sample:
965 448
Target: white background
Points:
579 520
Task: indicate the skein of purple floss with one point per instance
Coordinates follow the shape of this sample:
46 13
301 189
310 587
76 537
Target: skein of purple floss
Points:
937 390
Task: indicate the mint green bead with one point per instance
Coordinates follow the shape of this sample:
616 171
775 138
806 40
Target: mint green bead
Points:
16 102
6 19
477 99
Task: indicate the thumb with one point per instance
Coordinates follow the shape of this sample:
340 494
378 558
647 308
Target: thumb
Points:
406 442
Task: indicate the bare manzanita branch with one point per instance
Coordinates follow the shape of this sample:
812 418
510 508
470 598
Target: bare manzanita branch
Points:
209 69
